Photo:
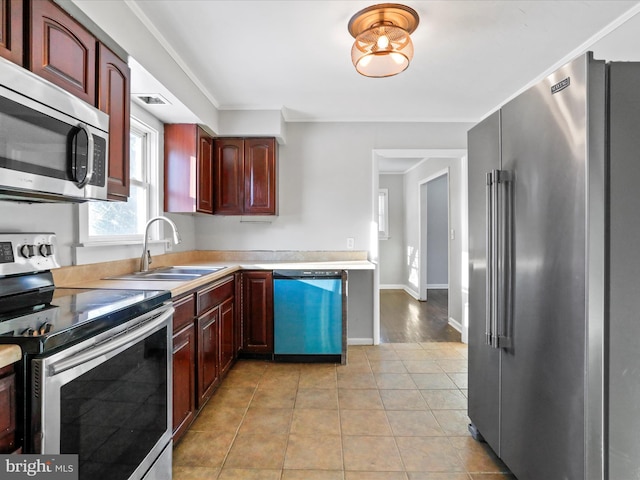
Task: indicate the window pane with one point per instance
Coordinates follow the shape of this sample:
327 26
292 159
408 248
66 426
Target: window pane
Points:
136 155
119 218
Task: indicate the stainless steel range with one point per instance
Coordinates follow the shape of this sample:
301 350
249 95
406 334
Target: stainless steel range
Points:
95 378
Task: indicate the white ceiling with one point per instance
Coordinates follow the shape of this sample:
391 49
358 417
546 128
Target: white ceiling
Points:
295 55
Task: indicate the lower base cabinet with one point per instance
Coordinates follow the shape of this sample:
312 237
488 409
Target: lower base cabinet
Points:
257 313
8 411
211 327
184 384
184 365
208 349
204 348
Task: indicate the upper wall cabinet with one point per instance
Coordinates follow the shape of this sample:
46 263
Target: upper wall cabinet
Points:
113 98
187 185
245 176
11 38
62 51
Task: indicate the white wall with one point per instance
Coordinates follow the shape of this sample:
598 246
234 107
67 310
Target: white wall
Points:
325 186
390 251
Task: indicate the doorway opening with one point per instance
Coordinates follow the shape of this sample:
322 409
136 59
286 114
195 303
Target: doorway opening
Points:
402 256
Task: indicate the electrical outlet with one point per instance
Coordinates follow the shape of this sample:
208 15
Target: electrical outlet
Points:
453 234
168 246
350 243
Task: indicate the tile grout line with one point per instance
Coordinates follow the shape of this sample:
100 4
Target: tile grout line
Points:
235 435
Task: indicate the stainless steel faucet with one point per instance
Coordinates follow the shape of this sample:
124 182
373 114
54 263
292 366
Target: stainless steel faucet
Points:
145 260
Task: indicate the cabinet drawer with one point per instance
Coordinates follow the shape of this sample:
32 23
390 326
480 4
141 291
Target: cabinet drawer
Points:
185 312
215 295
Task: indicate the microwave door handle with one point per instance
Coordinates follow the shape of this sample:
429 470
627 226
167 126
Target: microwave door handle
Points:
89 174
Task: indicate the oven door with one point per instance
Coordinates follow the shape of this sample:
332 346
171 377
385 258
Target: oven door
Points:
108 399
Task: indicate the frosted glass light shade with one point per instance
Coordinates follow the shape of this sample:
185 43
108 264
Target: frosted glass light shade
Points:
382 51
383 46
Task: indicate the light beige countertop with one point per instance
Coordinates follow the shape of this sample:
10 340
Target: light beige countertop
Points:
85 276
9 354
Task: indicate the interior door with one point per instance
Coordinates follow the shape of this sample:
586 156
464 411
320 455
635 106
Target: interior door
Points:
484 361
544 147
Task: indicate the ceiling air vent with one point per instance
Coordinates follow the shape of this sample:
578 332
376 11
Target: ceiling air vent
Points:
152 98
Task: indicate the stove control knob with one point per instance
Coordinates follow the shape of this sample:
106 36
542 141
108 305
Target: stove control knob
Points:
45 328
29 332
46 249
27 251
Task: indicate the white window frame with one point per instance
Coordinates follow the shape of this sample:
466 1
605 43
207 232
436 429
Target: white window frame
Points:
383 214
151 172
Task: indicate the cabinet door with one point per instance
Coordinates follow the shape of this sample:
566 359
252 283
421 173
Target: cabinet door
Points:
229 175
227 324
207 354
257 311
62 51
204 173
11 46
179 182
114 99
7 411
259 176
184 382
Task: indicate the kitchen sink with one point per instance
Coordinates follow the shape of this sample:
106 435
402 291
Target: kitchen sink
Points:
169 273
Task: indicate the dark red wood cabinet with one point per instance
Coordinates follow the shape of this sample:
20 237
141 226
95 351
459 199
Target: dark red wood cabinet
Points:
11 31
184 365
187 189
114 83
8 410
227 335
257 312
204 348
42 37
207 332
245 176
61 50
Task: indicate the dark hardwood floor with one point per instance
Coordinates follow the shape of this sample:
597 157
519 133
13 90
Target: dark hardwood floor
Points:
404 319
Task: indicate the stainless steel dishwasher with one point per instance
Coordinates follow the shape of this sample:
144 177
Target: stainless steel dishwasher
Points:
310 320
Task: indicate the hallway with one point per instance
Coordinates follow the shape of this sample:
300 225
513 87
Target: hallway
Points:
403 319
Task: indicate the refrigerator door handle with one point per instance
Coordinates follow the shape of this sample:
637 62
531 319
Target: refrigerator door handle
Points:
490 262
503 182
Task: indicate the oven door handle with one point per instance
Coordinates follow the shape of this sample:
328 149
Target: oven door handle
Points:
114 343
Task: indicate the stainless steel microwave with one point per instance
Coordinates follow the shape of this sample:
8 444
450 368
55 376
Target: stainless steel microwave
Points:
53 146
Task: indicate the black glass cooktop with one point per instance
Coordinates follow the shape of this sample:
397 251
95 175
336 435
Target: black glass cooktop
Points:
73 315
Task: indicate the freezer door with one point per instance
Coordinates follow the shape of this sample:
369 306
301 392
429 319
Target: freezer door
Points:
624 298
484 361
544 146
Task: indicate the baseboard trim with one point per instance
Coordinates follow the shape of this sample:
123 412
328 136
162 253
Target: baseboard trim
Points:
455 324
438 286
359 341
412 292
390 286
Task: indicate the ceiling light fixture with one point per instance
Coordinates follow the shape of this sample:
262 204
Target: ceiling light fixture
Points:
383 46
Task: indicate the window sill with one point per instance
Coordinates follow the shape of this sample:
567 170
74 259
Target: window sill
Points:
107 251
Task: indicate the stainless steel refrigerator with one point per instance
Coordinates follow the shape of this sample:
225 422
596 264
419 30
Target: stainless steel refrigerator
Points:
554 272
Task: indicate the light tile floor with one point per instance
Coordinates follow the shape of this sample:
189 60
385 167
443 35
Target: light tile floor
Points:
394 412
